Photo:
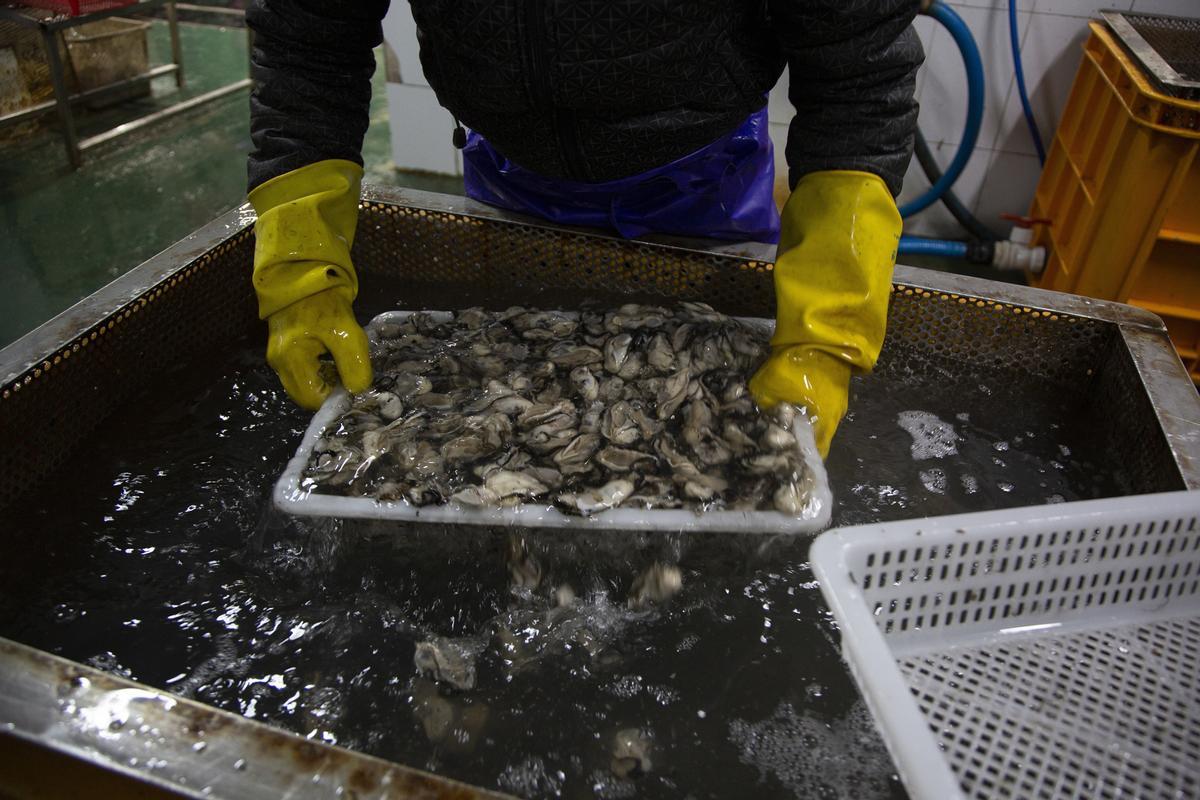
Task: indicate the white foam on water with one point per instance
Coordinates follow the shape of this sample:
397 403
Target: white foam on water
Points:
816 757
626 687
663 695
970 483
225 662
934 480
605 786
531 778
932 437
108 661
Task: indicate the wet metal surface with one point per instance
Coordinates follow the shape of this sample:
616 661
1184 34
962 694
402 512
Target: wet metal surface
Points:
150 736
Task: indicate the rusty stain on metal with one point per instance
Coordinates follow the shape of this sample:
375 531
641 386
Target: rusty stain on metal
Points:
111 722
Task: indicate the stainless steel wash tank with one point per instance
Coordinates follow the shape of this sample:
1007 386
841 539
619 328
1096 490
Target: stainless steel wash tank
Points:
60 383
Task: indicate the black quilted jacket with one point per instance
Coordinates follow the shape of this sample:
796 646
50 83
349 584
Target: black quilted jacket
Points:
593 90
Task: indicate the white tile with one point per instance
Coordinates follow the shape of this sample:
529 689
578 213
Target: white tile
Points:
1051 53
421 130
1178 8
927 29
779 133
779 108
944 91
987 4
1007 189
400 32
391 64
936 221
1079 8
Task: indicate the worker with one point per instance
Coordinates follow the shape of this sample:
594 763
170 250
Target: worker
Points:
635 115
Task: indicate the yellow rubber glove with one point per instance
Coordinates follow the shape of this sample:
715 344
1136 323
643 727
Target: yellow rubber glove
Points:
833 276
304 278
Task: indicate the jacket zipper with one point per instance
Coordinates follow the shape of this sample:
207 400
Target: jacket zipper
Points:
564 122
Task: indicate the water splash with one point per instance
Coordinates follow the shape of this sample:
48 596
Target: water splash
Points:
932 438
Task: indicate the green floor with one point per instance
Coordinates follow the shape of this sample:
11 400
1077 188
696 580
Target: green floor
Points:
68 232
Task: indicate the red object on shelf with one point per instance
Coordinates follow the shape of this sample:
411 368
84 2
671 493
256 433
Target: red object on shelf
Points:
77 7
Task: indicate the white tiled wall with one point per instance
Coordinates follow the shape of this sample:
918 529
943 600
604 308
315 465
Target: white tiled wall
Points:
400 33
1003 170
421 128
999 178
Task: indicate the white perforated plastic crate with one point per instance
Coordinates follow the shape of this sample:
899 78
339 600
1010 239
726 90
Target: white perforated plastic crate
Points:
294 495
1048 652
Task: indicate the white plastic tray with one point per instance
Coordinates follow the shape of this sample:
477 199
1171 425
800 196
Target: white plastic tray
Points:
291 497
1048 652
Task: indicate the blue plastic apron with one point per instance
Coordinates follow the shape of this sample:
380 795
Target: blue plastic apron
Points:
722 191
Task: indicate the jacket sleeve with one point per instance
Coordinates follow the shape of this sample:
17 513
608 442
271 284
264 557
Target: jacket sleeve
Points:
311 63
853 66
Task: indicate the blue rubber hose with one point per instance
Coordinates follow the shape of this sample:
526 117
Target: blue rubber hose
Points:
919 245
958 29
1014 39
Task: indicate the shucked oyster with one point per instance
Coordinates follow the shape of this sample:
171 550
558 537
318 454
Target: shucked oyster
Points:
591 501
577 454
569 354
514 484
616 351
673 392
618 424
585 384
619 459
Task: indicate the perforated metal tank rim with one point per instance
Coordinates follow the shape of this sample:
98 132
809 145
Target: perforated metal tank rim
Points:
1160 374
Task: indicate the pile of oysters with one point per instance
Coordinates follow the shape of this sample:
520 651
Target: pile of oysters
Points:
638 406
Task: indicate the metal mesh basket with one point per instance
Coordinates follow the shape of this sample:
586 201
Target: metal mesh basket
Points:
24 70
1166 47
107 51
1040 653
